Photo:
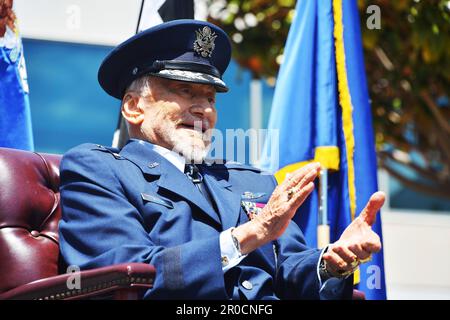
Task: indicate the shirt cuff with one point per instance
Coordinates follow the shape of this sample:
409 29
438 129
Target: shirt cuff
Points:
318 266
230 255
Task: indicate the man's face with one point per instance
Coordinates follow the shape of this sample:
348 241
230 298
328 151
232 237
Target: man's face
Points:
178 116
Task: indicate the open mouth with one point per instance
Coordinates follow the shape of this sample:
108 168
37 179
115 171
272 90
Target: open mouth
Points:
197 128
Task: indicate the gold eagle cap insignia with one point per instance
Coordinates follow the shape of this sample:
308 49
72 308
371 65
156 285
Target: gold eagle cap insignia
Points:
204 44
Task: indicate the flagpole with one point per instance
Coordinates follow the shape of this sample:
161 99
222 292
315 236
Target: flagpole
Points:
120 136
256 101
140 16
323 228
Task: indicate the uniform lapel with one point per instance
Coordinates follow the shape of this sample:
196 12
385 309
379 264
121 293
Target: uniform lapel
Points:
228 202
177 182
170 178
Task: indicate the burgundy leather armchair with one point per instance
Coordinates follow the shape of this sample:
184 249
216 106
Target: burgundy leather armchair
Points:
30 265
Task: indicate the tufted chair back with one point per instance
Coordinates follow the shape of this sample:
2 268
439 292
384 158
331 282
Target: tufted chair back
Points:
29 215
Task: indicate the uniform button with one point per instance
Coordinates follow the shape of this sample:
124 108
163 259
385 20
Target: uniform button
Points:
35 233
247 285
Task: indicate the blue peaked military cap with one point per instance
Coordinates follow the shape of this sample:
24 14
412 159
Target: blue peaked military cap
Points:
184 50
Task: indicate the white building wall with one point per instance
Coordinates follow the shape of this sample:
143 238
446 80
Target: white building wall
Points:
417 254
101 22
104 22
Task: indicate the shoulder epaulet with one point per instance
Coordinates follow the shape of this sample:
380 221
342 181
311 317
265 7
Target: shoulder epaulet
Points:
232 165
113 151
221 164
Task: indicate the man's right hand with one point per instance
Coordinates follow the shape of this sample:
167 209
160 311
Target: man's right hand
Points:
273 220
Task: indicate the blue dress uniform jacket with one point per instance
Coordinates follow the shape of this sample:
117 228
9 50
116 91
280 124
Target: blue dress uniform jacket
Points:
135 206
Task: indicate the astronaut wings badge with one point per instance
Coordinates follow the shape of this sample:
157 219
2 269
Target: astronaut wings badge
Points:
204 44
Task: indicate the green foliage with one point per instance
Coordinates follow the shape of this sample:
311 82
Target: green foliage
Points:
258 29
408 70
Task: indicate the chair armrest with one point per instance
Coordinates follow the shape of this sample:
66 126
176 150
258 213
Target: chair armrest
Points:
358 295
122 281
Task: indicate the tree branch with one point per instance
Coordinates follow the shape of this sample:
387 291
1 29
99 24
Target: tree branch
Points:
427 173
438 191
440 118
443 143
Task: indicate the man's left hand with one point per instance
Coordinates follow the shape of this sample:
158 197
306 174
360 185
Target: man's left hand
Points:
357 242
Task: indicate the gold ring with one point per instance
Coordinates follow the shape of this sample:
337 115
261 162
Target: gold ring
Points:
367 259
355 263
291 192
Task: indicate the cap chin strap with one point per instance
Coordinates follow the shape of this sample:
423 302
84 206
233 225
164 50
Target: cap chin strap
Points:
159 65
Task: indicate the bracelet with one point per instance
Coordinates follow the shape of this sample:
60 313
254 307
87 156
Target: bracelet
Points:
325 274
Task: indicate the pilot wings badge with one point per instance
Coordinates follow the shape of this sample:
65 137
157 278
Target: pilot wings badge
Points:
204 44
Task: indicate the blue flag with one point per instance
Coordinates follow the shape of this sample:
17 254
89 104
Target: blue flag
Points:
15 117
321 109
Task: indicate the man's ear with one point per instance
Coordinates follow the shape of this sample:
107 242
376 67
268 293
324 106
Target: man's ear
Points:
132 110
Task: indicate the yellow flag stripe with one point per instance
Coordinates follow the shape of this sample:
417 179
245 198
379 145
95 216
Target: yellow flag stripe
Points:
345 101
328 156
347 107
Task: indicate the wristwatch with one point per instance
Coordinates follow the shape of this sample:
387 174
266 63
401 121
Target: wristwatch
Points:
236 243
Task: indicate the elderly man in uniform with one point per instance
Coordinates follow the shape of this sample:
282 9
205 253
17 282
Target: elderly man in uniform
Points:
213 230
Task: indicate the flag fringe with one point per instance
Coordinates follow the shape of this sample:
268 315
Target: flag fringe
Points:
345 101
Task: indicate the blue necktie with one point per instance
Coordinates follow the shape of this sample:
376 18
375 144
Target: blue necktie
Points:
194 174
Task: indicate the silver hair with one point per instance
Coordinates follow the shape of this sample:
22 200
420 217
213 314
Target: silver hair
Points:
140 85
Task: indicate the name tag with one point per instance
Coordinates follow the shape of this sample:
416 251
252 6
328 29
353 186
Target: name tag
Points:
150 198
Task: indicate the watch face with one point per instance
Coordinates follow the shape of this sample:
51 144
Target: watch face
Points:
323 272
236 243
